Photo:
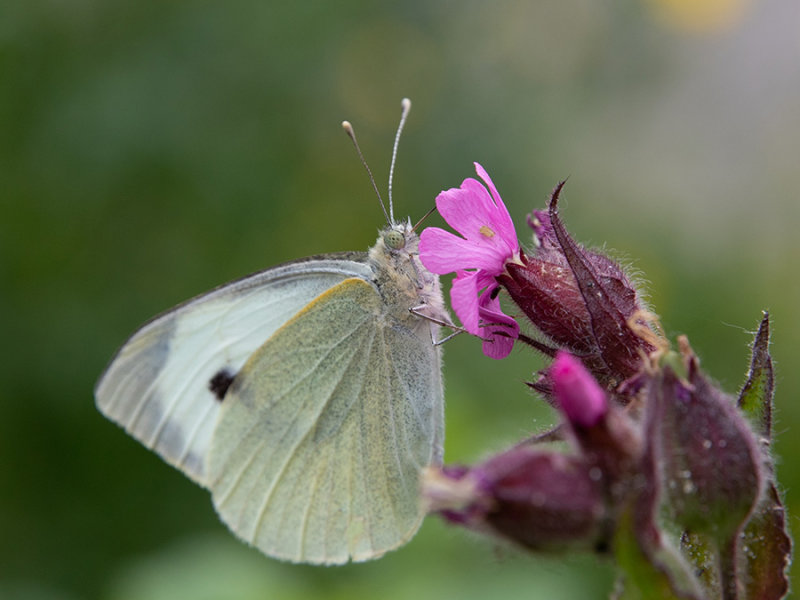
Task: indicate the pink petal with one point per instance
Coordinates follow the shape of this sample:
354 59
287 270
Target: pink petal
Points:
464 298
503 222
467 208
489 307
498 346
485 280
443 252
494 218
489 303
470 210
463 210
498 327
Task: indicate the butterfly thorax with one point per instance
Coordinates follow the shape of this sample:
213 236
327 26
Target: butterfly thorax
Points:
402 279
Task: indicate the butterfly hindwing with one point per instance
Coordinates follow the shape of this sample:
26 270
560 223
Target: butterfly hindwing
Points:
323 432
165 384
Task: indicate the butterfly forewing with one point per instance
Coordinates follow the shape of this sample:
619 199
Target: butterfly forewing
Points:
320 440
159 384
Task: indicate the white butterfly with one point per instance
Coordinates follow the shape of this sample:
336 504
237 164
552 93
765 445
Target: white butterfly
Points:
307 398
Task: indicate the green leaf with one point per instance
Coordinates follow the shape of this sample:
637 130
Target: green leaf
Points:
765 550
654 574
755 399
701 551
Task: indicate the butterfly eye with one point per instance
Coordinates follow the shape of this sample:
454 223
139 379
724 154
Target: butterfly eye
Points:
394 239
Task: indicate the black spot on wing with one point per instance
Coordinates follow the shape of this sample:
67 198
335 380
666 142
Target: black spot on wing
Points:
220 383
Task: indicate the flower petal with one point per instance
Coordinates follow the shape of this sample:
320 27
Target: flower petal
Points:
502 218
498 346
464 298
489 227
497 327
467 208
443 252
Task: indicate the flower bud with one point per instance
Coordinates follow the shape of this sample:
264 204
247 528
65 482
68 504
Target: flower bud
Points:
710 460
580 300
539 500
607 438
579 396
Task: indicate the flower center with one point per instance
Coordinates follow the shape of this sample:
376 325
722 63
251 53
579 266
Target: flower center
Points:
486 232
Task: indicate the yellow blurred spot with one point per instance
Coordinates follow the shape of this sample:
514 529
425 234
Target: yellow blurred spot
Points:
700 16
486 232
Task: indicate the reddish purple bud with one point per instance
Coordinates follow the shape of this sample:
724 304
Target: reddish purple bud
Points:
710 460
540 500
579 396
607 438
580 300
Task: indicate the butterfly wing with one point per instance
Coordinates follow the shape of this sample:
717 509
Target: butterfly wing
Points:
321 438
158 386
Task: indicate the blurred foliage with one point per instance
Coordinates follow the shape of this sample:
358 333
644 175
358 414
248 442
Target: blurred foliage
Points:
151 150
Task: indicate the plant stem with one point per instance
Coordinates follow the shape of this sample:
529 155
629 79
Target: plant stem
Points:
727 568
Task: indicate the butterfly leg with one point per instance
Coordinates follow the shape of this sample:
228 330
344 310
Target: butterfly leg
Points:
447 338
420 312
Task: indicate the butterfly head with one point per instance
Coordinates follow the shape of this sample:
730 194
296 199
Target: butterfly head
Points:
395 237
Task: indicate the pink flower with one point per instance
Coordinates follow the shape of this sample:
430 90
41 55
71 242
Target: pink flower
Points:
488 234
488 241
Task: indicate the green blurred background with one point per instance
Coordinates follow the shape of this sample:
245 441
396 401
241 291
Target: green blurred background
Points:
151 150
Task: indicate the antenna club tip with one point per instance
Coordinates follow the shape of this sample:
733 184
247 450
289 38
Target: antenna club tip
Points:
406 104
347 126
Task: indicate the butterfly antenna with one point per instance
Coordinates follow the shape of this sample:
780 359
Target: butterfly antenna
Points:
406 105
348 129
427 214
